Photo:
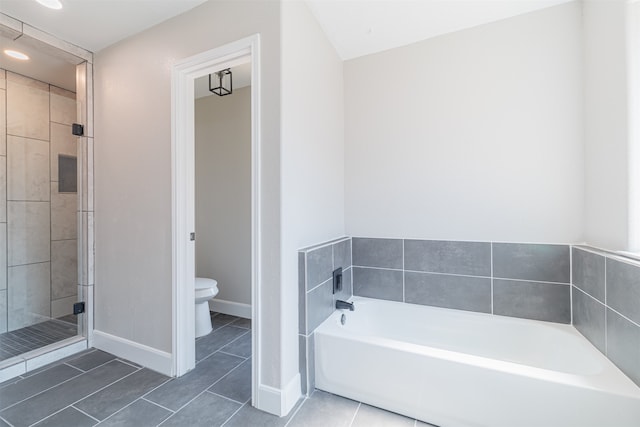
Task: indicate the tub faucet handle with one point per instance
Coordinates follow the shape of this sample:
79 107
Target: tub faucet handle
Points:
344 305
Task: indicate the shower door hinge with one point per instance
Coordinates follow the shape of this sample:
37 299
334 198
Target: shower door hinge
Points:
192 237
78 308
77 129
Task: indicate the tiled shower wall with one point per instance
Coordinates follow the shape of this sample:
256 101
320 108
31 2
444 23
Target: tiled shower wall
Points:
606 306
316 298
38 250
511 279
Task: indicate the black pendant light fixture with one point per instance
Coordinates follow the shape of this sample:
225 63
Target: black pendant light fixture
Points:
221 83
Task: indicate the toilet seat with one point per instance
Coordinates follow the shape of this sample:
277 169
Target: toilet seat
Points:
205 289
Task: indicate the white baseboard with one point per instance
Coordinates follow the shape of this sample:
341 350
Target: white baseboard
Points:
230 307
279 401
291 394
149 357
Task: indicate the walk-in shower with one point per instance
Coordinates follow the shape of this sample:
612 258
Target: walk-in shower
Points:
43 198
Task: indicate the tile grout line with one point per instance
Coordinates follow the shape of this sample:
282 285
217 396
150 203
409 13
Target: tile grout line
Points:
324 245
108 385
355 414
199 394
404 273
606 335
152 402
152 390
621 315
92 369
8 423
606 307
220 349
231 354
136 400
491 272
317 286
232 415
571 287
183 406
306 303
225 397
545 282
351 263
468 275
227 374
590 296
295 413
80 410
58 411
43 391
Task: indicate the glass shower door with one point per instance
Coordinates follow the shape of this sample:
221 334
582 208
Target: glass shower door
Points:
38 214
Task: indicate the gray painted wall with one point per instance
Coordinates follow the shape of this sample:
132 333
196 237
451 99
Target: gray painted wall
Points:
475 134
133 172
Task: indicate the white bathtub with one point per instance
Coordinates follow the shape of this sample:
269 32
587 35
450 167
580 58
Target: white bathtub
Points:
457 368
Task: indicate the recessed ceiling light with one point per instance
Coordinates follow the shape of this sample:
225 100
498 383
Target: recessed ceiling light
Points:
51 4
15 54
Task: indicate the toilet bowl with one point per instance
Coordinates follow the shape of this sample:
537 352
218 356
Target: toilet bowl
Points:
205 289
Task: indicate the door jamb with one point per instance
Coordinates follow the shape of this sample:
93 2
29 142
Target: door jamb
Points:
184 73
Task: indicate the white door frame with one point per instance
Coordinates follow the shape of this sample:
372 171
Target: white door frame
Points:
184 73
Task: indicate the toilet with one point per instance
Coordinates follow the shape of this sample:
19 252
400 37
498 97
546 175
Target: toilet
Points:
205 289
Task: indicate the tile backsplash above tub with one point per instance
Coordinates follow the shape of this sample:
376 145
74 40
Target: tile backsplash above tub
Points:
316 298
596 291
606 305
521 280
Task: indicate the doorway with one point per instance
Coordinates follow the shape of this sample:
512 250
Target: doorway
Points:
223 188
184 75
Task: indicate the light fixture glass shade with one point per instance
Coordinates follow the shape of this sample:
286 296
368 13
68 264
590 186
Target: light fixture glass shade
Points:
221 83
16 55
51 4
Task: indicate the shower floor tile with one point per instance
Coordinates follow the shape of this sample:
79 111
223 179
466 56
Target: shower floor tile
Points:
14 343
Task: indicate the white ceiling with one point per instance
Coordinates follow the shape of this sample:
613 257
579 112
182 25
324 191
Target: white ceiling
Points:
361 27
354 27
96 24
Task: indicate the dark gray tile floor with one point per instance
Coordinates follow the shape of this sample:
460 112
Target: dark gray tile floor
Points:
97 388
14 343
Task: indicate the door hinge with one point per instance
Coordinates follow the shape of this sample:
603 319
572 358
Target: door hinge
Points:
78 308
77 129
192 236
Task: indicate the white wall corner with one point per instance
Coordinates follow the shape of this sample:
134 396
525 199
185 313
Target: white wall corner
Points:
149 357
279 401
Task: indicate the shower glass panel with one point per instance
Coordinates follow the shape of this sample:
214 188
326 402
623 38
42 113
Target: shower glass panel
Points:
38 212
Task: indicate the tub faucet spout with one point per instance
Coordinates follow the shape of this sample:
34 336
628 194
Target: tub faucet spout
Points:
346 305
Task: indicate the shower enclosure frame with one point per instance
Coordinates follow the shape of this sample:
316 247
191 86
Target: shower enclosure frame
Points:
83 60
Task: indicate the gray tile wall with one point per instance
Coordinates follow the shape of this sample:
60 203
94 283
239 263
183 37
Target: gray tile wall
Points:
316 297
598 292
521 280
606 306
